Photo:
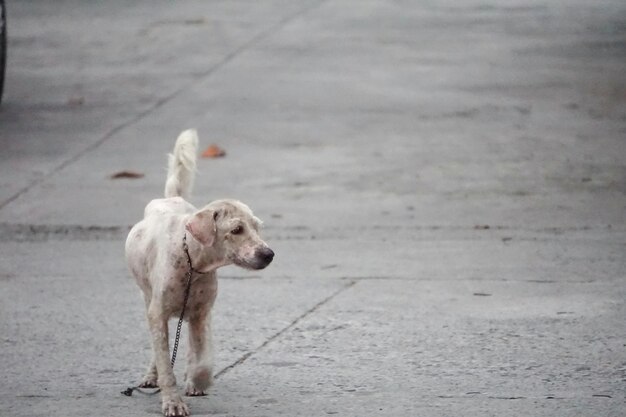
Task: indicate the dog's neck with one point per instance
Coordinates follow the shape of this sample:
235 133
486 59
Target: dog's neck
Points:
203 259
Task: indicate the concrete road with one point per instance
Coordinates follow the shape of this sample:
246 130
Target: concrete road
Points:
443 183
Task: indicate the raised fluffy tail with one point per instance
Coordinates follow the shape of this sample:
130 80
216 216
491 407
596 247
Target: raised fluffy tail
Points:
182 165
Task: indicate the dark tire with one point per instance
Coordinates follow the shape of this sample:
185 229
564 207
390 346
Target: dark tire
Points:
3 45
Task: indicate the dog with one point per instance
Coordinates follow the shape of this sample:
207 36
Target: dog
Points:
221 233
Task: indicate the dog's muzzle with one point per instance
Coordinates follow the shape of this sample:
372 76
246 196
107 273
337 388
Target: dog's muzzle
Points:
263 257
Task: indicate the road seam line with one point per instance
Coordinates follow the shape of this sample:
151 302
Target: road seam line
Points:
276 335
35 232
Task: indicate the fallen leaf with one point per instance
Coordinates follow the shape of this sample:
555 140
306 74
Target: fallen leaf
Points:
126 174
75 101
213 151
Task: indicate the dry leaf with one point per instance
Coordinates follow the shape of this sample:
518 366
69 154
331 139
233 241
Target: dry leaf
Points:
126 174
213 151
75 101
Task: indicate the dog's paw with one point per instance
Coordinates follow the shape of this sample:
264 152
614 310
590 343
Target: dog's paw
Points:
197 390
149 381
200 382
174 406
192 391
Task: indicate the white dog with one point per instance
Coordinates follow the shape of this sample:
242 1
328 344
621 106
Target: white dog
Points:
221 233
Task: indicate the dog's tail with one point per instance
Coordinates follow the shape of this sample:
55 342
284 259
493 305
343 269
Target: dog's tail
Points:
182 165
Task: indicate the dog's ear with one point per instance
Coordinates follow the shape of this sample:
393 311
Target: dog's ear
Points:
202 226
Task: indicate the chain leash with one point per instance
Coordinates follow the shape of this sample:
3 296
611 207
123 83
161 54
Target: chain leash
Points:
187 291
129 391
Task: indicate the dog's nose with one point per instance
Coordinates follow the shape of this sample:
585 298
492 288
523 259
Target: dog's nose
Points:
266 255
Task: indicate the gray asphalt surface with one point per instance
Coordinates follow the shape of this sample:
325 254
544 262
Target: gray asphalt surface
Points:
443 183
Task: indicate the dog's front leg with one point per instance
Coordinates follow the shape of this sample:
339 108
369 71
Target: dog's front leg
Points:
172 403
200 359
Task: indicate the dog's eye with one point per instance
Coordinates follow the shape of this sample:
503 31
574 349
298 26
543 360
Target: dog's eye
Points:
237 230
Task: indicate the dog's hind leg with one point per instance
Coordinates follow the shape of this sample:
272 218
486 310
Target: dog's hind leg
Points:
151 376
149 380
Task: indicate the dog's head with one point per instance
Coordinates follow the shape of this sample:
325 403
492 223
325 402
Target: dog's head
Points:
231 231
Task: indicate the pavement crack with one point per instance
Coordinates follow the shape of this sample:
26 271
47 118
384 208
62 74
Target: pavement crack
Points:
285 329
